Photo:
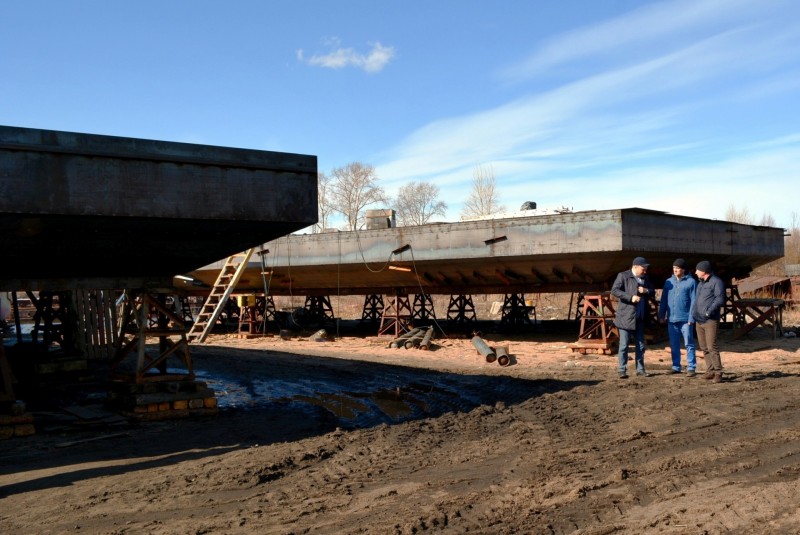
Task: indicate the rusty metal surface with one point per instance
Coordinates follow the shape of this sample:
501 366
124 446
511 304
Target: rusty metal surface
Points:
86 210
580 251
765 285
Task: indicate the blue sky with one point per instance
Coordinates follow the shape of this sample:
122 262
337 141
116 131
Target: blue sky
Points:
686 106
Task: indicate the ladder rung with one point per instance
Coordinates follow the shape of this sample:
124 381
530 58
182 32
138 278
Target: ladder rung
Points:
230 272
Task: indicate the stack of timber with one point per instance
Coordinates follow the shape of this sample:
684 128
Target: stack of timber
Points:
15 421
163 400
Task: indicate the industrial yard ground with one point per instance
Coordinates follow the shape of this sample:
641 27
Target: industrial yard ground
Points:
382 440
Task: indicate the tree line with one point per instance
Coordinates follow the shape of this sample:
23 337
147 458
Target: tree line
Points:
350 189
791 241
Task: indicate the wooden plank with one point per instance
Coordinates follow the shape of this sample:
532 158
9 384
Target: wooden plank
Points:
761 311
91 439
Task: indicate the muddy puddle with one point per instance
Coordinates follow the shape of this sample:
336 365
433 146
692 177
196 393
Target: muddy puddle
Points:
365 400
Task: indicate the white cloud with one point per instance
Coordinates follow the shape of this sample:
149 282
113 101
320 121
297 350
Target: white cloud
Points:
624 134
338 58
641 31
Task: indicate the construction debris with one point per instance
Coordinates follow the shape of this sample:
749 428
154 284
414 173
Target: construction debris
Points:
163 400
419 338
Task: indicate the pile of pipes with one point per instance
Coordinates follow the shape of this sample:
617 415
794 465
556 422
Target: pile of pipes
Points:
491 354
419 337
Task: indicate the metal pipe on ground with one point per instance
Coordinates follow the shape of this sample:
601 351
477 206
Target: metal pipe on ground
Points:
415 340
426 340
502 356
484 349
397 342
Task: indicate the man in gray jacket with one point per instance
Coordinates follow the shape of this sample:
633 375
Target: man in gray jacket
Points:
632 288
707 303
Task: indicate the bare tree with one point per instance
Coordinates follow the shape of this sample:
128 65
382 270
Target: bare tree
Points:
791 244
354 187
324 201
742 215
737 215
417 202
482 199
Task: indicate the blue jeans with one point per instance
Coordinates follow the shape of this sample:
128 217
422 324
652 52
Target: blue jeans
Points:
682 330
625 337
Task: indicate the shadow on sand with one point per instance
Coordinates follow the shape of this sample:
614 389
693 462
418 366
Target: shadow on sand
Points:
265 397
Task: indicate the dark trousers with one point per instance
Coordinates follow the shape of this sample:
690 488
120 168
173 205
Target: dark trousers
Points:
707 342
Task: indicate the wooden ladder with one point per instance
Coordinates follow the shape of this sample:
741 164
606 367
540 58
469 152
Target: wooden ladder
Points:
226 282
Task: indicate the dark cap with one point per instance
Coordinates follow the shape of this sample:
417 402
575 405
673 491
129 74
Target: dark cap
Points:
680 263
704 266
639 261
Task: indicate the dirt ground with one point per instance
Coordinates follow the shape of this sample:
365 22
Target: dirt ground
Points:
382 440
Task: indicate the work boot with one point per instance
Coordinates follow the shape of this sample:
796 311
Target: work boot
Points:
717 378
708 376
690 373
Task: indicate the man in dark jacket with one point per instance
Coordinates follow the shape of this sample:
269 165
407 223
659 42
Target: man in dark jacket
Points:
707 303
632 288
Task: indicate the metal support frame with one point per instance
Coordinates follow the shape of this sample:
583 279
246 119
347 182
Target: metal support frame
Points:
269 308
396 317
184 309
578 305
516 311
461 309
134 332
422 308
253 314
51 320
598 332
318 309
372 311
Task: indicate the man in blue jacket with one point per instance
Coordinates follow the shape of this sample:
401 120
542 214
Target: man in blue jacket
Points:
707 303
677 300
632 288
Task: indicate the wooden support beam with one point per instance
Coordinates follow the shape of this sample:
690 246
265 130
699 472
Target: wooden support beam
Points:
761 311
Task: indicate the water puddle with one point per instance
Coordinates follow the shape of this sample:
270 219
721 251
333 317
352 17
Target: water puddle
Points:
369 399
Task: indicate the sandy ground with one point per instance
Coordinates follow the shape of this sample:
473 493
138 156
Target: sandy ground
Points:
554 443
